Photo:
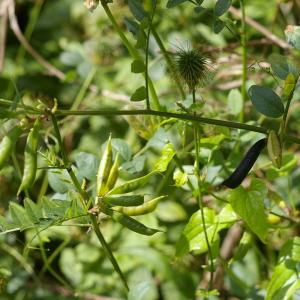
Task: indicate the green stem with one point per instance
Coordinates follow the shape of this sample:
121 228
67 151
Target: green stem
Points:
133 52
85 199
107 250
147 56
84 88
186 117
34 15
47 265
244 60
169 62
199 197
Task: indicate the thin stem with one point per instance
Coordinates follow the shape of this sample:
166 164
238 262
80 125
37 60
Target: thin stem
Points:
186 117
133 52
169 61
199 197
107 250
147 56
244 60
84 200
48 266
84 88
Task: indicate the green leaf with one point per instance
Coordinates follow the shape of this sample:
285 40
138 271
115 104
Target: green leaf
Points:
193 238
212 141
234 102
141 39
137 66
144 290
278 282
279 65
172 3
266 101
19 216
249 205
131 223
87 165
218 25
33 211
168 153
136 165
137 9
292 34
140 94
221 7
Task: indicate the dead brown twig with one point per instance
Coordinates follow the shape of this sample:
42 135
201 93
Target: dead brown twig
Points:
17 31
268 34
3 28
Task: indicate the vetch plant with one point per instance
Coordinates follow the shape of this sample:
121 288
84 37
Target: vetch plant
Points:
168 195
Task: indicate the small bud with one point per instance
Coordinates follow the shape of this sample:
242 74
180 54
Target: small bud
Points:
91 4
275 149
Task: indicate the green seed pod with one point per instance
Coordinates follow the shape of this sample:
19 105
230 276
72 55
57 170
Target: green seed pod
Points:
104 169
123 200
141 209
8 143
275 149
132 185
113 174
130 223
30 158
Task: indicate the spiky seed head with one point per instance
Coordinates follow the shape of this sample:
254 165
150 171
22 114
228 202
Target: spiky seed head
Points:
192 67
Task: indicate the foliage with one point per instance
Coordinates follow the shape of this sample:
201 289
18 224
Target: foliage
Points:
121 122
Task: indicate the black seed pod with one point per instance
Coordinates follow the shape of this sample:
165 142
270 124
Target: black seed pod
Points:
239 174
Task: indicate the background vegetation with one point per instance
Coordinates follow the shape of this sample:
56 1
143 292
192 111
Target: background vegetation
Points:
93 61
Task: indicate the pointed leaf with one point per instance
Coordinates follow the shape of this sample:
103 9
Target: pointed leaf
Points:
249 205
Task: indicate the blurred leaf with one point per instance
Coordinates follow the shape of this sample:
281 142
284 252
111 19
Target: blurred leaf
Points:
221 7
139 95
170 211
292 34
234 102
282 67
144 290
180 178
266 101
285 275
136 165
19 216
249 205
218 25
70 266
193 238
33 211
87 165
137 9
137 66
59 180
168 153
172 3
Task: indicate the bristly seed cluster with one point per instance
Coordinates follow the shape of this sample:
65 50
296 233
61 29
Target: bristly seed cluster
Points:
192 67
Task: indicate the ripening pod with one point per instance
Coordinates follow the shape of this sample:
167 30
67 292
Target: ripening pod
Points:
275 149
